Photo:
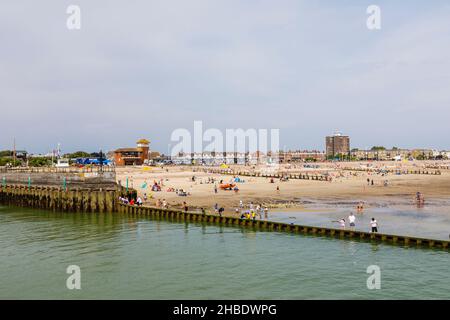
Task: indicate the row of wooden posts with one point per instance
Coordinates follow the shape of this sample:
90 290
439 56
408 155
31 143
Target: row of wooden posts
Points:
306 176
427 172
264 225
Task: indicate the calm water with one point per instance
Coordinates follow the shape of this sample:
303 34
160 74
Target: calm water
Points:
129 258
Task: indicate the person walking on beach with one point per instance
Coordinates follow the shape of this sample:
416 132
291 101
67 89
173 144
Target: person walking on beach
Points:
216 208
368 181
241 204
351 219
374 225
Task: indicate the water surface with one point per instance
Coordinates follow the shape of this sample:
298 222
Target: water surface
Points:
138 258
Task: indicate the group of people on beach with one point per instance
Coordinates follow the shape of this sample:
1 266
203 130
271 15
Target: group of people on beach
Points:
252 211
352 222
131 201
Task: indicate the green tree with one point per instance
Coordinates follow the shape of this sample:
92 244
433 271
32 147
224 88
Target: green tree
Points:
77 154
39 162
5 153
9 161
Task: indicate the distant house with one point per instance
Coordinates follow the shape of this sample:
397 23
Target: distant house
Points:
133 156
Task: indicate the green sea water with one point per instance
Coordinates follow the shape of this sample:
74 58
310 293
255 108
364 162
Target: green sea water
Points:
123 257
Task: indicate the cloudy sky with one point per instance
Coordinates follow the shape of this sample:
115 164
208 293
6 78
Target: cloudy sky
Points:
143 68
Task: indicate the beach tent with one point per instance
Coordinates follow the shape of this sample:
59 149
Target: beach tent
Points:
223 165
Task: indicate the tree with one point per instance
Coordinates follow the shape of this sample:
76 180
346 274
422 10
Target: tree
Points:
378 148
9 161
77 154
6 153
39 162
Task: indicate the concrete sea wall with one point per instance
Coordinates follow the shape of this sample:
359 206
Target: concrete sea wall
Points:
59 177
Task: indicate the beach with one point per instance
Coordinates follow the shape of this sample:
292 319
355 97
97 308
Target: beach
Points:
346 186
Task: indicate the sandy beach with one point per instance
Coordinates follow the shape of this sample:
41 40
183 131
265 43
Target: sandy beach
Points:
347 186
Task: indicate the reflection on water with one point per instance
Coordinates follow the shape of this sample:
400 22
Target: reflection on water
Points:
135 257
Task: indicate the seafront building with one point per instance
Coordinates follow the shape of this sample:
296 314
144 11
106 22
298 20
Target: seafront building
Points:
217 158
248 158
301 156
133 156
337 145
397 154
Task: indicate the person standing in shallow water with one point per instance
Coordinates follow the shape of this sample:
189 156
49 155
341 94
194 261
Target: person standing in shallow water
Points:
351 220
374 225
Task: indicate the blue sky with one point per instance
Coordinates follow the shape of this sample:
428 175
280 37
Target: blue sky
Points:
145 68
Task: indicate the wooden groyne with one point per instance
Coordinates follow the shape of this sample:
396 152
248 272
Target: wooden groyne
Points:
59 199
300 176
438 167
396 171
264 225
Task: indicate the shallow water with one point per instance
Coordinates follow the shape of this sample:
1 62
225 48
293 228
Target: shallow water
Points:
431 221
134 257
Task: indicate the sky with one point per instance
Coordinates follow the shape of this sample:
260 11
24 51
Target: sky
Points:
144 68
